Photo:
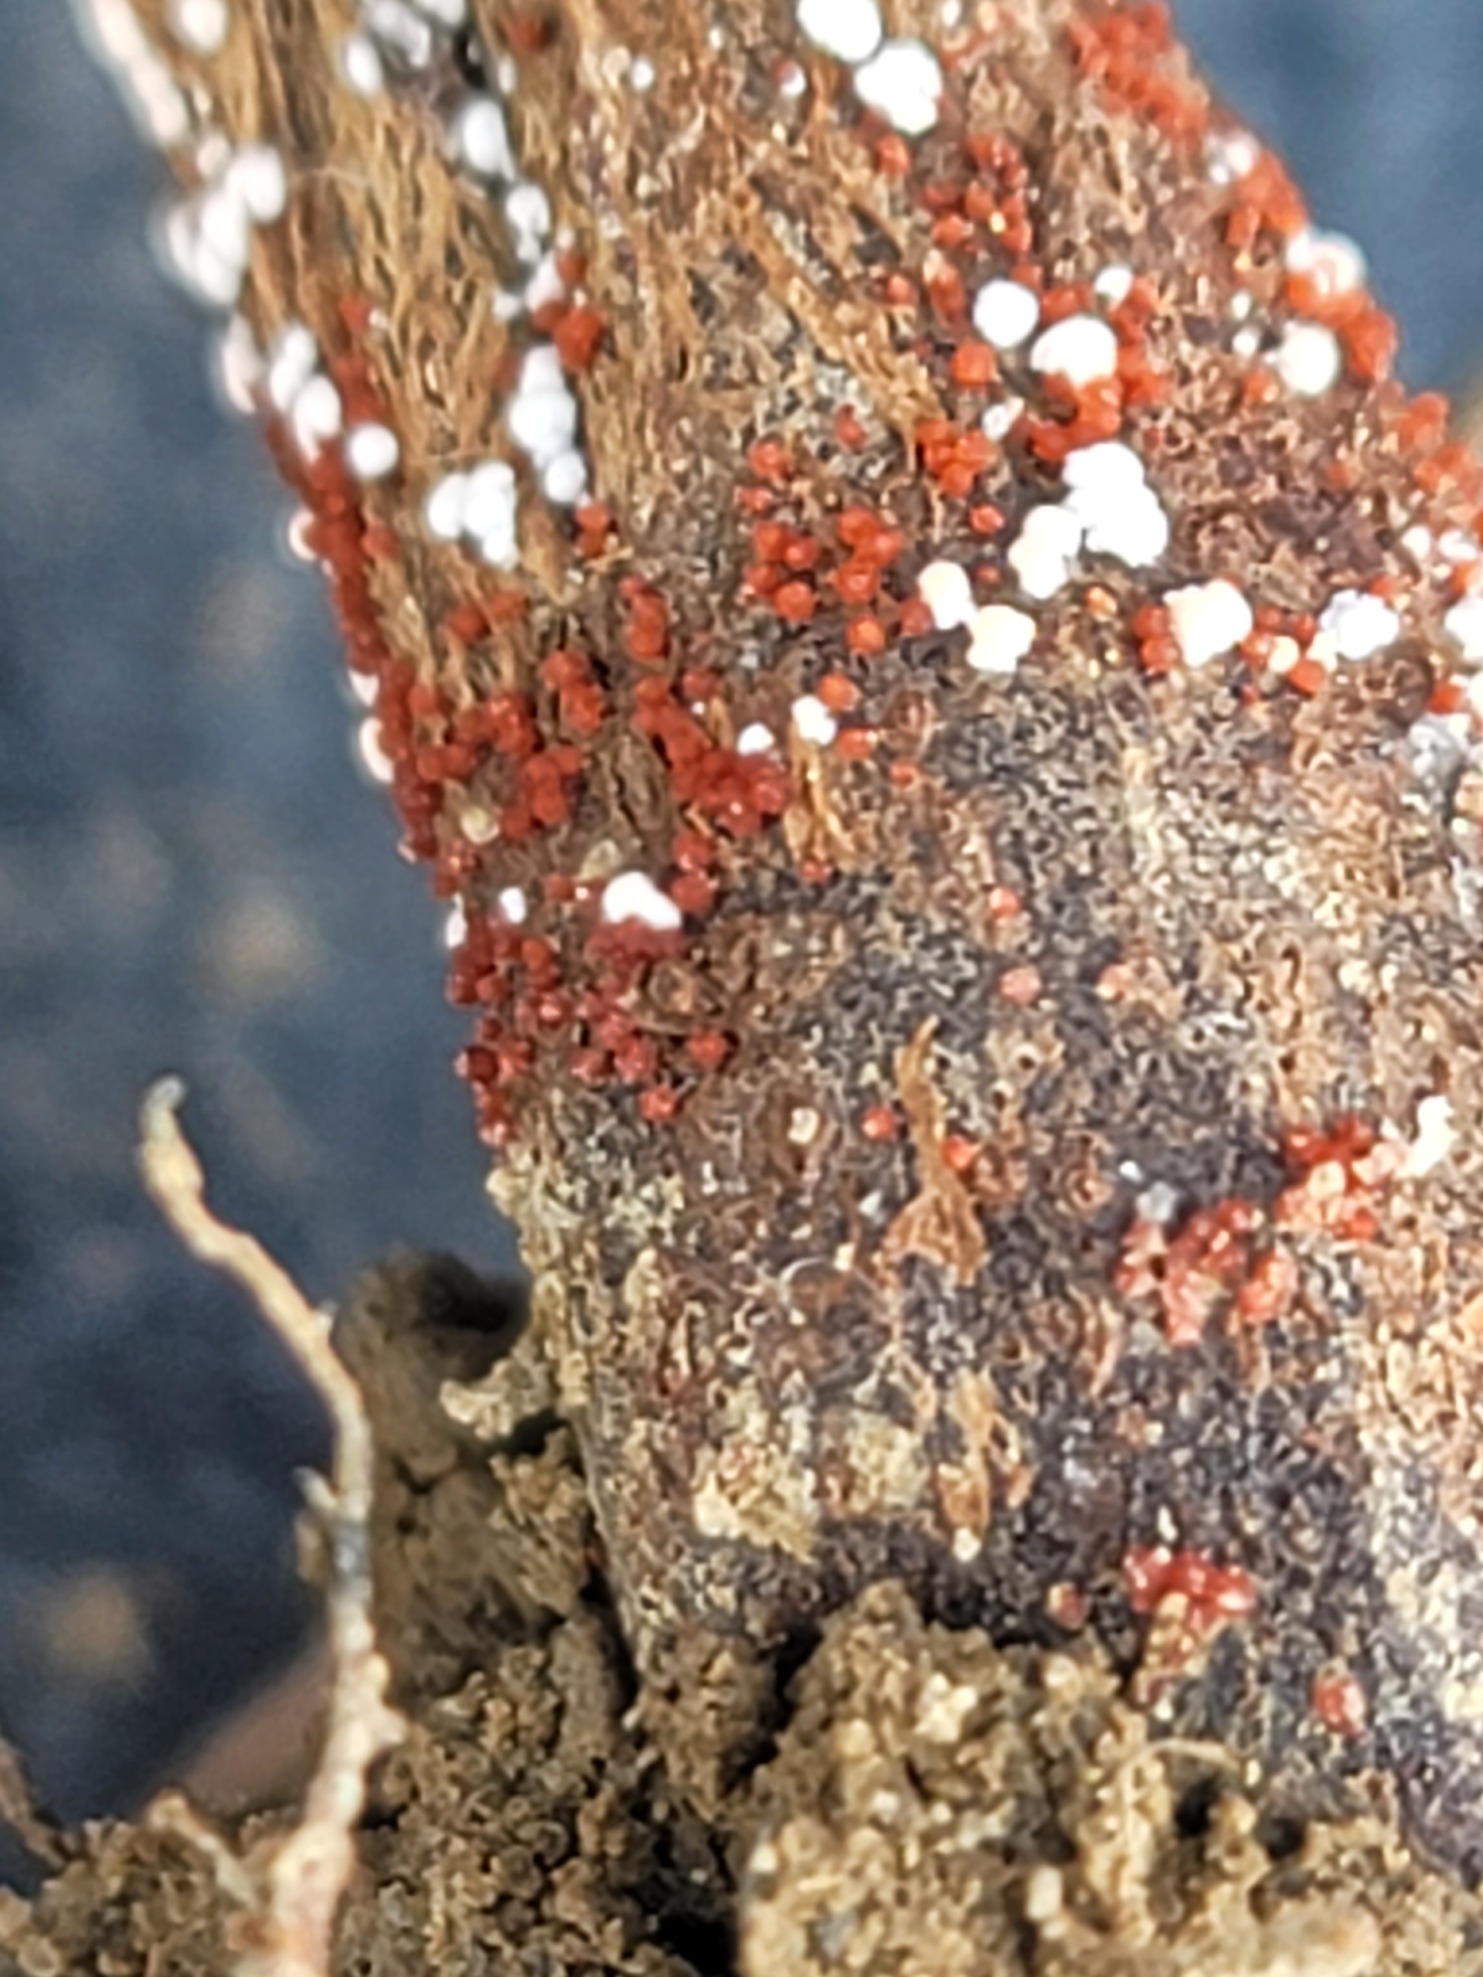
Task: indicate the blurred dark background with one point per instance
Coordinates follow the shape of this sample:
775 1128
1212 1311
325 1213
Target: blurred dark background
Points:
193 876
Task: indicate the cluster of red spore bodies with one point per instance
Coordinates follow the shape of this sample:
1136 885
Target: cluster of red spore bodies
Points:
337 534
1441 466
1133 55
535 1006
1214 1594
849 563
741 794
1340 1175
1217 1257
1086 414
1266 202
987 211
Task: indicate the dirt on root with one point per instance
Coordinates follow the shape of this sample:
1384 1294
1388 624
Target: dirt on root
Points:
928 1803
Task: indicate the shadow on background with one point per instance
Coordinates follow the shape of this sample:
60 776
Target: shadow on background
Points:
193 877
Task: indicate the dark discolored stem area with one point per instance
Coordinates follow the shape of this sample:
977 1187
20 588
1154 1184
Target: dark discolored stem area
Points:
965 841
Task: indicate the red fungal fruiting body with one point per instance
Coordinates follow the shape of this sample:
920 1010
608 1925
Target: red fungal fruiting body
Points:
974 366
708 1050
1269 1289
578 336
1021 985
880 1123
1131 54
769 460
1339 1702
1266 201
866 637
646 634
795 603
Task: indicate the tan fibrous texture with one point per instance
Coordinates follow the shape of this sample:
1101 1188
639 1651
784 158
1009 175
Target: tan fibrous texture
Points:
838 1198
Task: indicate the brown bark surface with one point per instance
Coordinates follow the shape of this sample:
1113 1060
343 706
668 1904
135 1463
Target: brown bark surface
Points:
990 1256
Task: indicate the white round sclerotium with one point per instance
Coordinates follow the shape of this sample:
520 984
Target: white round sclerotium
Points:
903 80
1464 625
634 896
1208 620
947 592
444 508
812 721
850 30
1309 359
1081 349
1005 313
999 637
371 451
481 139
1360 624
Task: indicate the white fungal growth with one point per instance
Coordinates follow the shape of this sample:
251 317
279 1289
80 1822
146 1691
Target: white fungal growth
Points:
1464 625
903 80
443 510
360 65
201 26
490 513
812 721
528 211
1081 349
564 479
1042 553
1119 512
207 238
1436 1136
480 139
240 366
999 420
1114 284
999 637
1419 543
257 176
1232 155
946 591
455 926
1109 509
1359 623
1209 619
511 905
850 30
1005 313
316 414
151 94
372 756
398 28
755 739
1309 360
292 361
371 451
542 415
634 896
1331 261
